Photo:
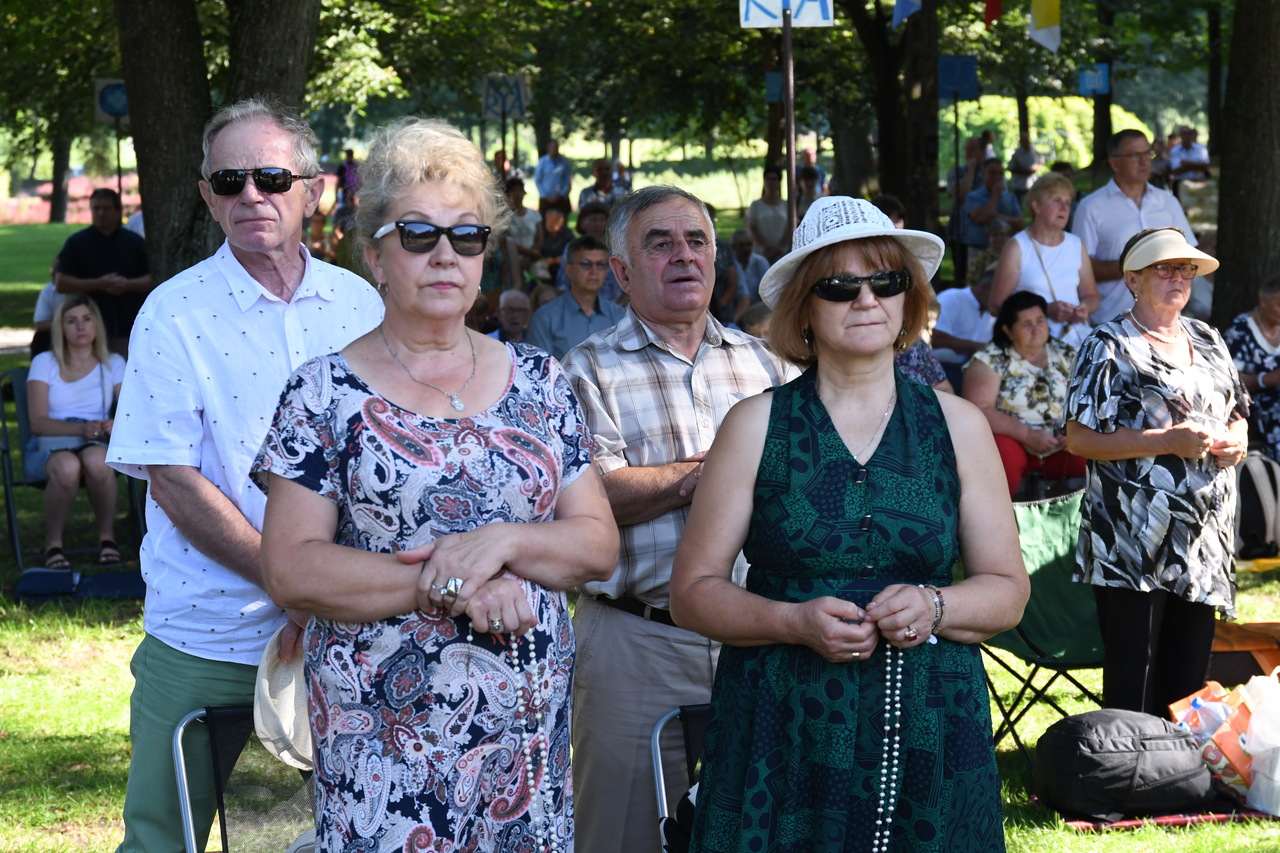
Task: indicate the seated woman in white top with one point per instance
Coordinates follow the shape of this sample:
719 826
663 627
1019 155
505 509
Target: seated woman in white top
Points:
1048 260
71 392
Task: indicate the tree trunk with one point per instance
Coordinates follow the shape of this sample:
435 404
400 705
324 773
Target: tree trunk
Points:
1250 162
61 146
160 40
854 168
1213 106
271 60
1102 102
1024 114
920 90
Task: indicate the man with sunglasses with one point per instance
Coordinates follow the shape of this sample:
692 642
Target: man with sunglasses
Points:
654 389
1109 216
212 349
579 312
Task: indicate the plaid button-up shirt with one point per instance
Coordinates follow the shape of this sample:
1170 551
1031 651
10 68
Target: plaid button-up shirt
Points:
648 405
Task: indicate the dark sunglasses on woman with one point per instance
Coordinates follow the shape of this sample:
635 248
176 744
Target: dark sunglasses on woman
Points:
422 237
267 180
847 288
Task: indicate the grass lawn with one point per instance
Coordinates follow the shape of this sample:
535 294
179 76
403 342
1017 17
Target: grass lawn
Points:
64 678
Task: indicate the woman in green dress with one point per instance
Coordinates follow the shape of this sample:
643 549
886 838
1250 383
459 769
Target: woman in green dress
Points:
850 711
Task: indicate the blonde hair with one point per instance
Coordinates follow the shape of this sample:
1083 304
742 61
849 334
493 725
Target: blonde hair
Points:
1045 184
414 151
789 332
58 343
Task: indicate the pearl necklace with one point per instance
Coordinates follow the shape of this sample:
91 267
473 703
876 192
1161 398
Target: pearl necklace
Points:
532 710
454 398
893 398
890 781
1164 339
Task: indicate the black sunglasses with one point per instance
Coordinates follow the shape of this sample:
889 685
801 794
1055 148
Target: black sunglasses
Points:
422 237
847 288
267 180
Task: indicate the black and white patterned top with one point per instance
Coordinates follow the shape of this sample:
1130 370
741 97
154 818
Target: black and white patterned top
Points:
1157 522
1252 354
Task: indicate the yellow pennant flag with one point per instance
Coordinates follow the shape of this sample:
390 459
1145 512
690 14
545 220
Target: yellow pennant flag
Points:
1046 23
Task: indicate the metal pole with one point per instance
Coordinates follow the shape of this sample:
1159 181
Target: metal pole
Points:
119 168
789 108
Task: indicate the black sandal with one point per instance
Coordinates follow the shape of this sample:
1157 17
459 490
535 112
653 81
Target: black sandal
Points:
54 558
108 553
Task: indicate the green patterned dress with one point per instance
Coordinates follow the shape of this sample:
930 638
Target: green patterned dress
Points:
795 749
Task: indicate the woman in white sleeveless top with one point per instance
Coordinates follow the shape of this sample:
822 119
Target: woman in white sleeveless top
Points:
1047 260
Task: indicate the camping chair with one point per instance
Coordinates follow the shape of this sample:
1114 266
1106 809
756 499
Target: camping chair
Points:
693 724
263 804
1059 629
15 476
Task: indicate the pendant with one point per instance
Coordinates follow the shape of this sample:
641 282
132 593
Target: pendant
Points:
457 404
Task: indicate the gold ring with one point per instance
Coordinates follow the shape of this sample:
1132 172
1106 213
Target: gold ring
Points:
910 633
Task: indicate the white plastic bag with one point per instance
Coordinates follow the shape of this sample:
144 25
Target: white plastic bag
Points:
1263 742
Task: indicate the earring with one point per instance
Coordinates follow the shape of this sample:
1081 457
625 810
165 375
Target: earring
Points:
807 334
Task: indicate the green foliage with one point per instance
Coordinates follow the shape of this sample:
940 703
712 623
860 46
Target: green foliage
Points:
1061 128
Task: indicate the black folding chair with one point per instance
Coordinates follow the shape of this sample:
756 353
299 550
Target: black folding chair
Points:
11 459
263 804
1059 630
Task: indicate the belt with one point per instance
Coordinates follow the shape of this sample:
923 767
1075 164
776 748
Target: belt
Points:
636 607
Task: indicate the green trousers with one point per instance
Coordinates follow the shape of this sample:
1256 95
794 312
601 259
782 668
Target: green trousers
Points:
168 684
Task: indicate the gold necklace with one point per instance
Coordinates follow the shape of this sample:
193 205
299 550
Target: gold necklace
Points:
455 397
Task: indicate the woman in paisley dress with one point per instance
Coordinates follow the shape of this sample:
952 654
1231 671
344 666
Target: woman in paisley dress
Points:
1157 408
423 484
1019 380
850 711
1254 341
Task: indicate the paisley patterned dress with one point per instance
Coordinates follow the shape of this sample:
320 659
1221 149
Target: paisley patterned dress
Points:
428 733
797 747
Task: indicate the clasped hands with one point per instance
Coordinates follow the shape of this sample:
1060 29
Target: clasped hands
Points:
472 564
1192 441
841 631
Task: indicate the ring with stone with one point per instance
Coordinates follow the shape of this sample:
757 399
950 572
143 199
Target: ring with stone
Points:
453 587
438 587
910 633
495 625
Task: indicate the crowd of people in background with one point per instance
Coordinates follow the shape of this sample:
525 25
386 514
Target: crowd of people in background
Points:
566 367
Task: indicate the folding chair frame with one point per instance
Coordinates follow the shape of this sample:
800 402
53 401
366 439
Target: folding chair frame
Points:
693 722
17 380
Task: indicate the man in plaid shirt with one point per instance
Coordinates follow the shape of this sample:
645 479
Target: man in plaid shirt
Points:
654 388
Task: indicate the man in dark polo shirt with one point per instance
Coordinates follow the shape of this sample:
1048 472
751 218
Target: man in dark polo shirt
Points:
110 264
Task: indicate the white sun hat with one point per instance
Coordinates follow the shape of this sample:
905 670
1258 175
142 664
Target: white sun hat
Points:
280 707
838 219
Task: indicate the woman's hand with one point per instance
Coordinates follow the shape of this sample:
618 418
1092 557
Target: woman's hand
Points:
1079 314
1230 450
836 629
1189 442
471 558
903 614
1061 312
501 606
1041 442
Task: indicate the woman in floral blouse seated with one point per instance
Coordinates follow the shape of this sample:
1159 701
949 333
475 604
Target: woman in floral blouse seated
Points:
1019 380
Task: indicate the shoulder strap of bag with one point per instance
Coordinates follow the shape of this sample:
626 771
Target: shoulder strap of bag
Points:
1049 281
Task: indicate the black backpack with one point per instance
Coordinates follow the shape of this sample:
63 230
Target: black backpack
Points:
1110 764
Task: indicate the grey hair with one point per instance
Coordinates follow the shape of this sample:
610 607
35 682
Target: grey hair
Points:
250 109
509 296
1269 287
639 201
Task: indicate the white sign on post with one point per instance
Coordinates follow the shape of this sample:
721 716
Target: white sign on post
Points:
505 96
758 14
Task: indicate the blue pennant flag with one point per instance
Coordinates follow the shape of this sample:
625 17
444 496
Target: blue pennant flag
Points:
903 9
